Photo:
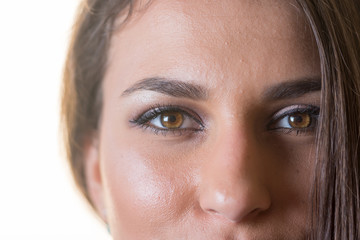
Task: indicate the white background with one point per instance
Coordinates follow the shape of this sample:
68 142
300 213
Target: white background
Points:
38 199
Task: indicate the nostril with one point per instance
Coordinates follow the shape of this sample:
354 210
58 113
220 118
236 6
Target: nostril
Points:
254 212
212 211
243 206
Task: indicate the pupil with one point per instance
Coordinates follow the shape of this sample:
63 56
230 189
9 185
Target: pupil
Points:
172 118
297 119
300 120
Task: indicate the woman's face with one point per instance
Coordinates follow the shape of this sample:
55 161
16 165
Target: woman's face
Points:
208 123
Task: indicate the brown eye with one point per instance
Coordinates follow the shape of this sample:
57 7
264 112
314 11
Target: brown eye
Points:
299 120
296 119
171 119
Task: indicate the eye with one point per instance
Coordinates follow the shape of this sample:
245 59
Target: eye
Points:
299 118
296 120
169 118
173 120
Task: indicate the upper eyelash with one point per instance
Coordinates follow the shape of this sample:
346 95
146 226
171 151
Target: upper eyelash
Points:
309 109
155 111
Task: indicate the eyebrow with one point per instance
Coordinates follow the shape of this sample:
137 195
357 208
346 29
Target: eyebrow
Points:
292 89
171 87
177 88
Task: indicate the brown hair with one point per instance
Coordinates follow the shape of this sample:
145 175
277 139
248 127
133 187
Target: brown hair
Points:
83 73
336 27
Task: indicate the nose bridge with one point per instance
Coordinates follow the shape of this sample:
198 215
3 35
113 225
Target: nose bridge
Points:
231 148
231 181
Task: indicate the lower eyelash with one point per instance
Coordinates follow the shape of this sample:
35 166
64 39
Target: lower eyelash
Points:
143 119
297 132
142 122
312 111
165 132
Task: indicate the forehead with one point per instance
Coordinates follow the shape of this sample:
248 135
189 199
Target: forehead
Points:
236 36
222 15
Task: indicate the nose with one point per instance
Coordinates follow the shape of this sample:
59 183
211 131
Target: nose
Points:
232 178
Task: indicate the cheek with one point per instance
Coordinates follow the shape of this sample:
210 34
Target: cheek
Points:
144 187
292 179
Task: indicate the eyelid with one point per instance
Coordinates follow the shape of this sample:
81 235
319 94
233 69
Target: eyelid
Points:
311 109
294 108
154 111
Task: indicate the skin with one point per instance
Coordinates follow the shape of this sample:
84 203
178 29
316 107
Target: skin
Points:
234 179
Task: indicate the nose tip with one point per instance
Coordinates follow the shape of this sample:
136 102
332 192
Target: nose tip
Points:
233 179
236 207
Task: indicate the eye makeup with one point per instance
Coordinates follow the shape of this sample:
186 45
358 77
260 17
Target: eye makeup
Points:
294 119
169 119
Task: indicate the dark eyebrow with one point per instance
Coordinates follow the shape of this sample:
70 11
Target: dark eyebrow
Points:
176 88
171 87
292 89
